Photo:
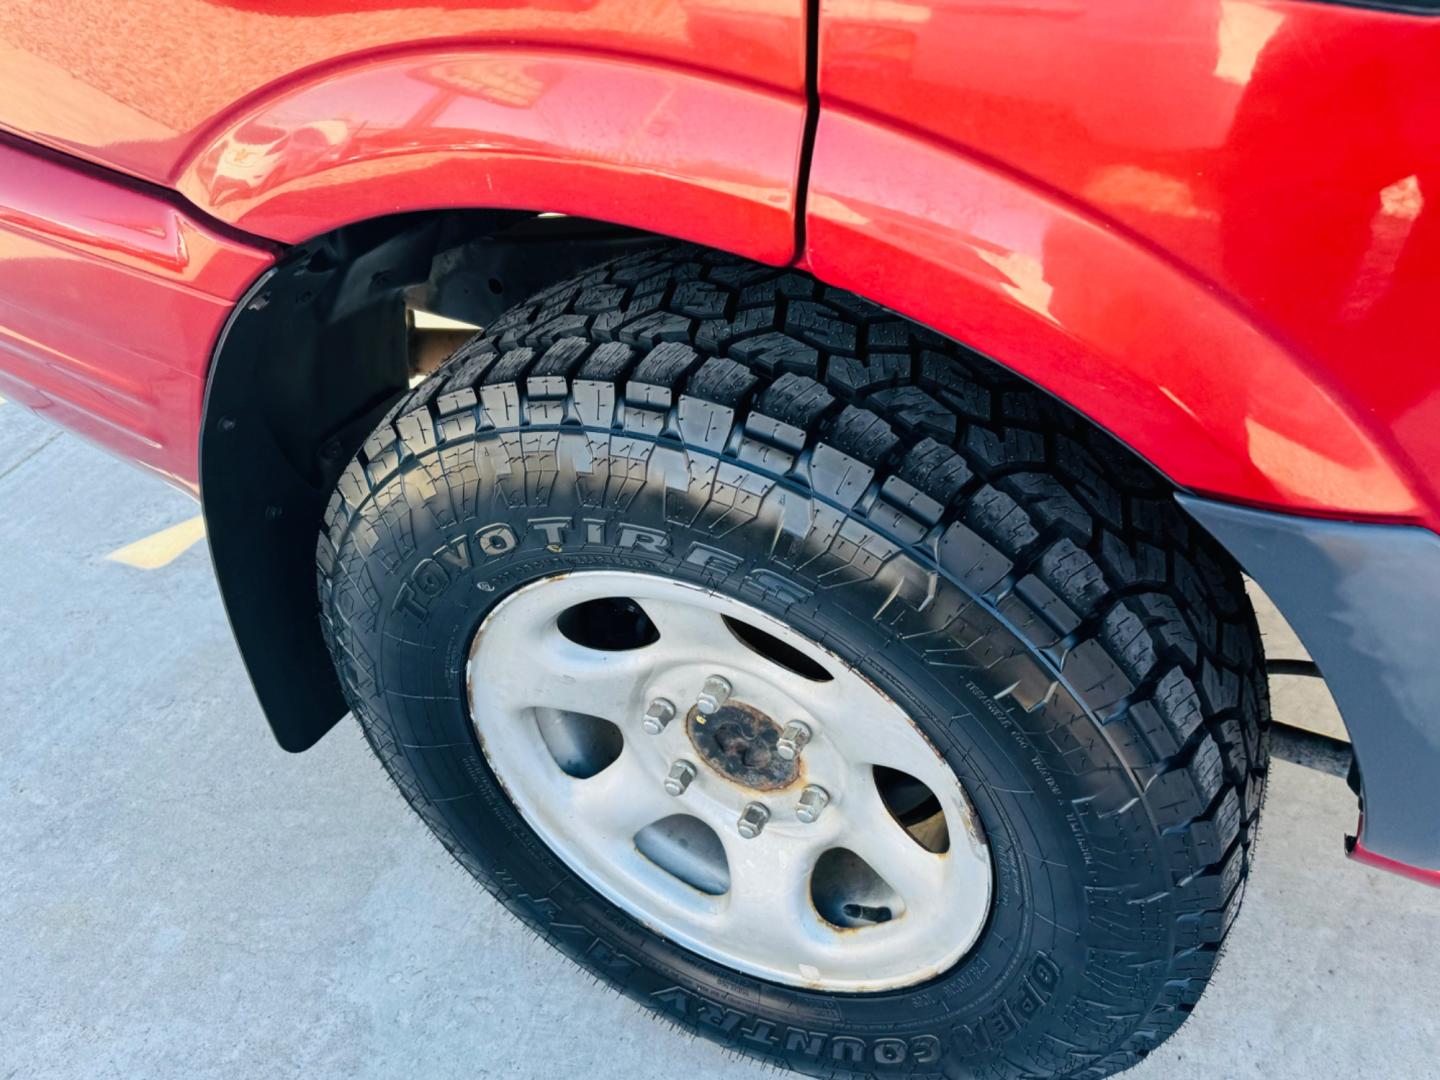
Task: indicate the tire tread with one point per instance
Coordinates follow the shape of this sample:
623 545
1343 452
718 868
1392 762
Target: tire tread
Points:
1145 617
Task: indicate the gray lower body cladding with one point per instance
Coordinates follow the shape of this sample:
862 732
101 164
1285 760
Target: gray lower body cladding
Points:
1365 600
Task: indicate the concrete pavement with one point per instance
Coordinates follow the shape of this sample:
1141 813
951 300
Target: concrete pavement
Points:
181 899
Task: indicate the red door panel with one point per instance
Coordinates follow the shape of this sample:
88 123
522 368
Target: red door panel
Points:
111 299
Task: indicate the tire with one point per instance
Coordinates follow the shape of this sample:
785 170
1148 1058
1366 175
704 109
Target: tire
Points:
1084 657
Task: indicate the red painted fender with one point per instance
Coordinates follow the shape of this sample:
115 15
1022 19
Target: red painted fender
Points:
696 156
1212 226
1098 318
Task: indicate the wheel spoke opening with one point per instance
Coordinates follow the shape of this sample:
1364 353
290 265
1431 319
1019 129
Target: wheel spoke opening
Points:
914 807
687 849
776 651
849 894
582 745
609 624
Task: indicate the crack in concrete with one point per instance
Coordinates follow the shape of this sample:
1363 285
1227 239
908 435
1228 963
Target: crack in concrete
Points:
27 457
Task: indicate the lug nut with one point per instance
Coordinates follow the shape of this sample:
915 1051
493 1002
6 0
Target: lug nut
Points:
752 820
813 800
713 694
793 739
681 773
660 713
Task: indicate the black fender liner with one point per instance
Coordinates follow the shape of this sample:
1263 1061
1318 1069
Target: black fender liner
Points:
1365 600
309 361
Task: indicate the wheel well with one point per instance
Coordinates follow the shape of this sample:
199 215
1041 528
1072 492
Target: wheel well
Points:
310 359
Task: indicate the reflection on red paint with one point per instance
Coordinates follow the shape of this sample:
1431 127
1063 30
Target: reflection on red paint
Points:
140 87
110 303
1218 222
606 138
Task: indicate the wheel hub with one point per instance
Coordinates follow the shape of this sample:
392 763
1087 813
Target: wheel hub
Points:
739 742
835 852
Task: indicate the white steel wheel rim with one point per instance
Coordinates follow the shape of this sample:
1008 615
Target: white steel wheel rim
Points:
766 921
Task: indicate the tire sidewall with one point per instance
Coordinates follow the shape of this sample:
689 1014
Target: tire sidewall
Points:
426 559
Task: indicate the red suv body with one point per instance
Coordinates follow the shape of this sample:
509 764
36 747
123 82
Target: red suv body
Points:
1211 226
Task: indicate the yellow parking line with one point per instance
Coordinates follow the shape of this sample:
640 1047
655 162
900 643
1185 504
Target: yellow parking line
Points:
161 548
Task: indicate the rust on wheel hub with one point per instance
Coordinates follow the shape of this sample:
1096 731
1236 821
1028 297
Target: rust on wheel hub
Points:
738 741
